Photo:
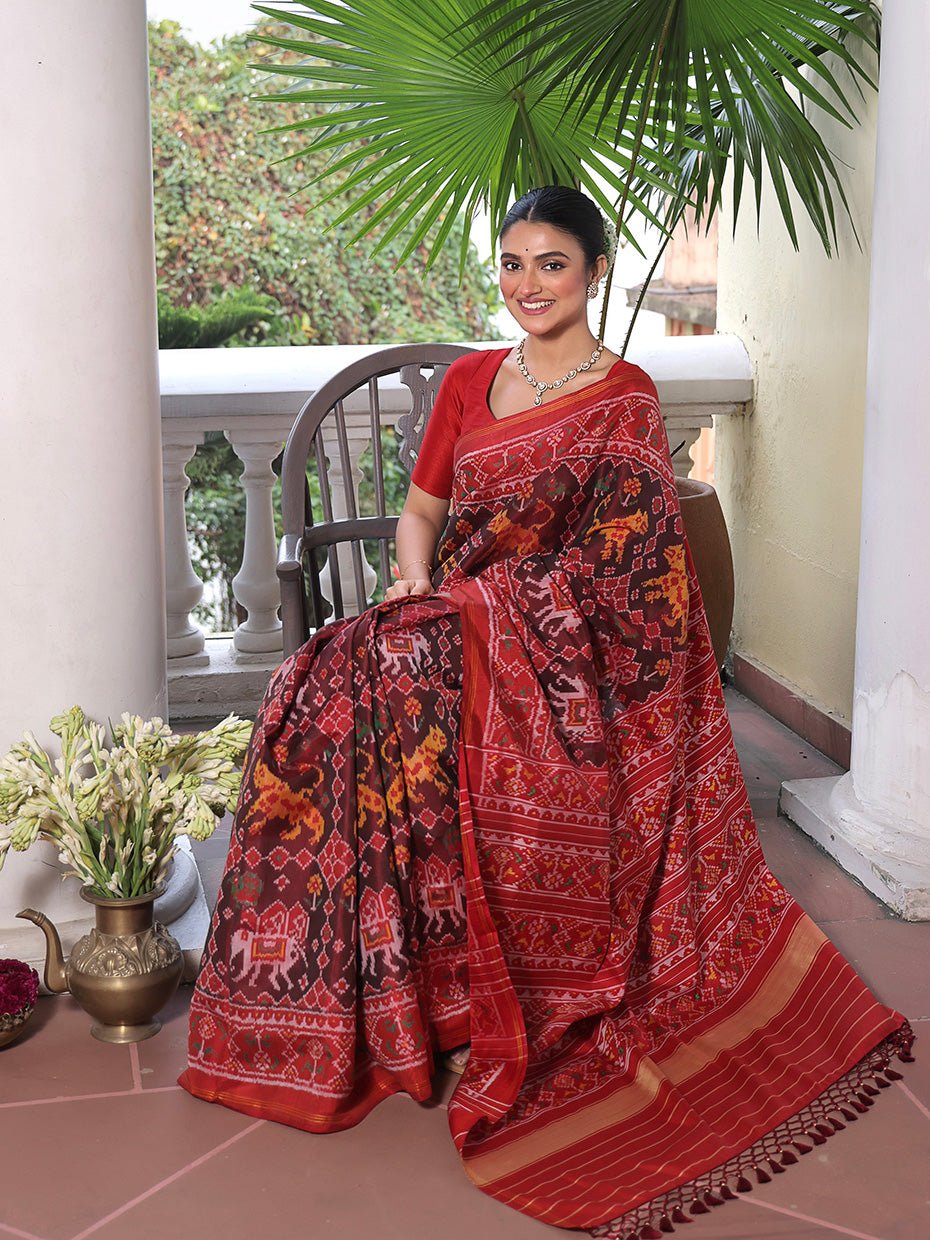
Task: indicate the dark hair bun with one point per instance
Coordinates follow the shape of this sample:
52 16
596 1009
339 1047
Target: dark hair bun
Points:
567 209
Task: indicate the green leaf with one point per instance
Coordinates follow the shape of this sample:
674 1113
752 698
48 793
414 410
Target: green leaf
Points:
739 56
426 107
429 122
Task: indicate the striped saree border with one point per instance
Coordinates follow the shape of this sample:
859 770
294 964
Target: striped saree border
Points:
840 1104
709 1097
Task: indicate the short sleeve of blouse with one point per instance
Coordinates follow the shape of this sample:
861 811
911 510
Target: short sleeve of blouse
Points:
433 471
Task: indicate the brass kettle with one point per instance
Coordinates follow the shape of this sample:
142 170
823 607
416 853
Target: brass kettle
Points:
122 972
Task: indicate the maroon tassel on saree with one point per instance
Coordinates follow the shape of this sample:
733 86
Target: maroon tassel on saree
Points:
512 812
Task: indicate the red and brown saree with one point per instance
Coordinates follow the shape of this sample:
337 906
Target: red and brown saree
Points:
512 812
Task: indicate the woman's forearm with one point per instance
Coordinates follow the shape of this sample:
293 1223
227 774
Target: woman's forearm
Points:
417 539
419 528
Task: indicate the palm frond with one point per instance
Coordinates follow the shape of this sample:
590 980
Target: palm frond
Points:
434 107
428 122
755 65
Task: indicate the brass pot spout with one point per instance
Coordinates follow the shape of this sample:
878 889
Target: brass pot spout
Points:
122 972
56 973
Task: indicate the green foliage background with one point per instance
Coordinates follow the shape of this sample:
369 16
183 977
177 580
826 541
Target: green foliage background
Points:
225 218
226 224
198 327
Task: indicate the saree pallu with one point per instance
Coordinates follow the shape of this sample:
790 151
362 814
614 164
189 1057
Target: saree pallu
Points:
512 812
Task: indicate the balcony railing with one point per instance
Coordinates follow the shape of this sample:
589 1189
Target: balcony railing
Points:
253 395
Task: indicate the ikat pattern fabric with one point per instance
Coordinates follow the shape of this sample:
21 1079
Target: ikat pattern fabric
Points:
337 953
513 812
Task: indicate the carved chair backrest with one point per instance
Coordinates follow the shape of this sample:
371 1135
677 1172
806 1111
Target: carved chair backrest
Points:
339 424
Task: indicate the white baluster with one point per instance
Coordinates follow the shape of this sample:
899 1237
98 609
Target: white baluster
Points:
255 586
683 425
358 436
184 589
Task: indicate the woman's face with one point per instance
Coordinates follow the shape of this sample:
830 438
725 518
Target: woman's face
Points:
544 277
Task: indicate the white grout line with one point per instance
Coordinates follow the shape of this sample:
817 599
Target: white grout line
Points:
156 1188
136 1067
7 1230
807 1218
118 1093
916 1101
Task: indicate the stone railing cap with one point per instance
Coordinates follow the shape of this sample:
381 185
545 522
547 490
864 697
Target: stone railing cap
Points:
277 379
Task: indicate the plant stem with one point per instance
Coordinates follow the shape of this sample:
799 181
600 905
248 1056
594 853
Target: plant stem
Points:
520 100
634 156
642 294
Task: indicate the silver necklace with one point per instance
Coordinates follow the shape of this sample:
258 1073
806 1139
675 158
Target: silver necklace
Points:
544 387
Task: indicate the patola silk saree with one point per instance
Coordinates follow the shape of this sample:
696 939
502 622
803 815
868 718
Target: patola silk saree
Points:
511 813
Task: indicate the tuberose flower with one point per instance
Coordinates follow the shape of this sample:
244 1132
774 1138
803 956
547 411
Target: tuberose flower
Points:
115 812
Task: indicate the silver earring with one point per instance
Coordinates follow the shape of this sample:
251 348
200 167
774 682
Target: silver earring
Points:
592 290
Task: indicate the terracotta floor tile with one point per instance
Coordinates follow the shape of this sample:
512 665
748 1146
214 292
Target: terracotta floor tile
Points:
163 1057
74 1162
394 1177
770 752
871 1178
823 890
891 957
749 1218
917 1074
179 1168
56 1056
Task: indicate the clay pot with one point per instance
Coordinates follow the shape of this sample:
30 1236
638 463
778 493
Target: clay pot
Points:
707 536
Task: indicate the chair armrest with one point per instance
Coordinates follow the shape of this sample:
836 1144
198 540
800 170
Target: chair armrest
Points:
290 551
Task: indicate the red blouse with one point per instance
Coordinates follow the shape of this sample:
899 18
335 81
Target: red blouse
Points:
461 405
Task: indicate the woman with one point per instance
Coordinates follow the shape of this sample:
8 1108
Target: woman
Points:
504 808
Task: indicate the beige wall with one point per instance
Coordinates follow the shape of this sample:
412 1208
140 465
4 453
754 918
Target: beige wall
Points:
691 258
789 476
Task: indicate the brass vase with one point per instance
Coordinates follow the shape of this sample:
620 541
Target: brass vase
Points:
122 972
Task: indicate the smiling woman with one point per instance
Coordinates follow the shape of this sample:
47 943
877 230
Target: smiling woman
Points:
554 253
504 807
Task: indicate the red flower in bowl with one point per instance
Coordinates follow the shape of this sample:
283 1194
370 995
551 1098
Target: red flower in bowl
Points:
19 987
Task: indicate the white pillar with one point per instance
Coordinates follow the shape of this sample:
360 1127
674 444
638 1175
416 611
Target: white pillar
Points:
81 548
876 819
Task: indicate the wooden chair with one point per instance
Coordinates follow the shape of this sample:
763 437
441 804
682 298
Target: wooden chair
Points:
326 547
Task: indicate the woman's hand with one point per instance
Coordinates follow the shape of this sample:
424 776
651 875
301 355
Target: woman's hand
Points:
407 587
